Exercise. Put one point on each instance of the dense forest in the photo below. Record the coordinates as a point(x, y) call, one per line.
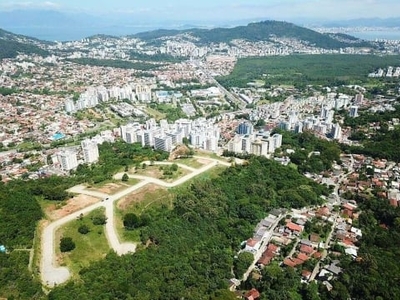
point(190, 250)
point(329, 69)
point(377, 143)
point(10, 49)
point(259, 31)
point(311, 154)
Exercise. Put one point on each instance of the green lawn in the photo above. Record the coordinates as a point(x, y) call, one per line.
point(90, 247)
point(190, 162)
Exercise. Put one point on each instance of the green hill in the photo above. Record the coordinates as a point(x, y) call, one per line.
point(12, 44)
point(261, 31)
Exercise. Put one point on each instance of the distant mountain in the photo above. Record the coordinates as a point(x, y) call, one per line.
point(260, 31)
point(365, 22)
point(12, 44)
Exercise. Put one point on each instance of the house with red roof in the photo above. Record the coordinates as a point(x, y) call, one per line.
point(253, 294)
point(296, 229)
point(306, 249)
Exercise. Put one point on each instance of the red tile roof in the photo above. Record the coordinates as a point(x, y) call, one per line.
point(302, 256)
point(294, 227)
point(251, 242)
point(306, 249)
point(306, 273)
point(252, 294)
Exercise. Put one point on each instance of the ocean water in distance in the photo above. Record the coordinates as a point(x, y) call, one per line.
point(75, 34)
point(376, 34)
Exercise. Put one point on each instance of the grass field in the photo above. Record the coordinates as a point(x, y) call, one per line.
point(90, 247)
point(156, 171)
point(190, 162)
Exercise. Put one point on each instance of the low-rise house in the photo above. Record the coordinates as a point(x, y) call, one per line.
point(252, 245)
point(253, 294)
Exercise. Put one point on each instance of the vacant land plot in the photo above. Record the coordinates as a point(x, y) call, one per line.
point(55, 210)
point(90, 247)
point(112, 187)
point(161, 172)
point(192, 162)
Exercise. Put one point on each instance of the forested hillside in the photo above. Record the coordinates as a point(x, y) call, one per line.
point(259, 31)
point(190, 249)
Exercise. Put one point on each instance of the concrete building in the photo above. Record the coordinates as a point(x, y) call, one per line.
point(245, 128)
point(68, 160)
point(353, 111)
point(90, 151)
point(163, 143)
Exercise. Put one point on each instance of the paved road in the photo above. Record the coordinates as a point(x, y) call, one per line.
point(52, 274)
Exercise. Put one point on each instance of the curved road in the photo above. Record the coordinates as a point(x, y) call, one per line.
point(52, 274)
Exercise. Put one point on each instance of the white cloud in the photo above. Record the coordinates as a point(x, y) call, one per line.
point(30, 5)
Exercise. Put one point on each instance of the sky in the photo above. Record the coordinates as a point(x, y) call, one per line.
point(220, 10)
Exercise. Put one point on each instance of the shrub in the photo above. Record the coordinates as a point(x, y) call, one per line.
point(83, 229)
point(67, 244)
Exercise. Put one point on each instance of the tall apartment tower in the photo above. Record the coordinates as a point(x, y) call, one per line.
point(354, 111)
point(90, 151)
point(68, 160)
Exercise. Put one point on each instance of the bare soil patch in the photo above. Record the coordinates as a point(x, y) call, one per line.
point(110, 188)
point(74, 204)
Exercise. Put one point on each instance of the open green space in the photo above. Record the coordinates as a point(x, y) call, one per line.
point(190, 162)
point(171, 112)
point(168, 173)
point(327, 69)
point(155, 113)
point(90, 247)
point(145, 202)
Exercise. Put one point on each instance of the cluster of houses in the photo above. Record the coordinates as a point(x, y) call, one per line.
point(374, 174)
point(308, 249)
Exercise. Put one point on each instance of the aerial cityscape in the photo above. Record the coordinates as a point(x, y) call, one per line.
point(213, 151)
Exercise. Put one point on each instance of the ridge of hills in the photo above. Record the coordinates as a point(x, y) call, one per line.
point(259, 31)
point(12, 44)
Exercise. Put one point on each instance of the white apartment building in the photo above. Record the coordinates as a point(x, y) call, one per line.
point(163, 143)
point(90, 151)
point(68, 160)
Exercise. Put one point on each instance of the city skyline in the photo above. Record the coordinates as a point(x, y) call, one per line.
point(222, 10)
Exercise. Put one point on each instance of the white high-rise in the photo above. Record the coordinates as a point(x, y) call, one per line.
point(354, 111)
point(68, 160)
point(90, 151)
